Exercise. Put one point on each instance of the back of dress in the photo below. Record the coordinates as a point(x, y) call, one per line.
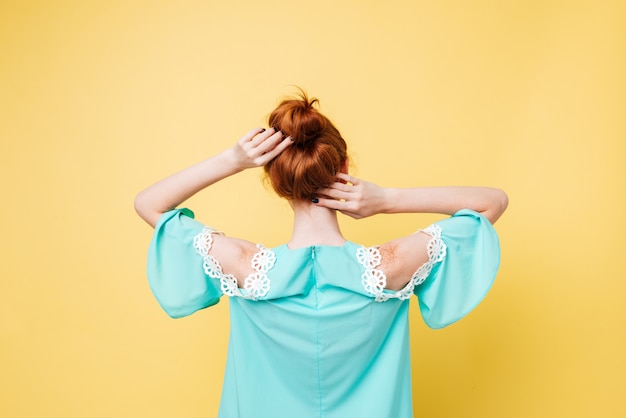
point(314, 333)
point(320, 346)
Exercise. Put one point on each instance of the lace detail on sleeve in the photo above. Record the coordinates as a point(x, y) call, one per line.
point(258, 284)
point(374, 280)
point(255, 286)
point(436, 249)
point(203, 243)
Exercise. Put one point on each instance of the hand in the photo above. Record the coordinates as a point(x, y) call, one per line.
point(258, 147)
point(359, 199)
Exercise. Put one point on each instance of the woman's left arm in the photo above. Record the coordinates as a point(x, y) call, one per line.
point(254, 149)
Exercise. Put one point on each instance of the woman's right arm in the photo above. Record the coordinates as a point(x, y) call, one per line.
point(360, 199)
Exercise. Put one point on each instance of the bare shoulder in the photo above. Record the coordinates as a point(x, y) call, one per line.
point(402, 257)
point(234, 255)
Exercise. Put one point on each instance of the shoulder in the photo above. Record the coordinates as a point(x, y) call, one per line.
point(401, 257)
point(235, 255)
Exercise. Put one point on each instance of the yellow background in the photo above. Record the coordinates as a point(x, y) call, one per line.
point(98, 99)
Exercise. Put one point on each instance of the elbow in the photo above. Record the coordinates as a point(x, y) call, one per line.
point(499, 203)
point(143, 210)
point(504, 203)
point(139, 205)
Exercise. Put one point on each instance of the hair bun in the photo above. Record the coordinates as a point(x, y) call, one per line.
point(316, 156)
point(298, 118)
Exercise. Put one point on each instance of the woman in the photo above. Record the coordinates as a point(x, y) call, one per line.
point(319, 326)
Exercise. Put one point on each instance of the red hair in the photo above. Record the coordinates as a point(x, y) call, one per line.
point(316, 155)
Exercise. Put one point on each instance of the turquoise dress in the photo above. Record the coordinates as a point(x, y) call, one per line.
point(314, 333)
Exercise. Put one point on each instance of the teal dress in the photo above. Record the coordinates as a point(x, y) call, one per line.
point(313, 332)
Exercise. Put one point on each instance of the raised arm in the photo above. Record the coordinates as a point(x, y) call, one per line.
point(360, 199)
point(254, 149)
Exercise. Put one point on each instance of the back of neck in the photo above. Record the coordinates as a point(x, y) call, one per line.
point(314, 225)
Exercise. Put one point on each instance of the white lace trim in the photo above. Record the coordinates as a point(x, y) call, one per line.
point(255, 286)
point(374, 280)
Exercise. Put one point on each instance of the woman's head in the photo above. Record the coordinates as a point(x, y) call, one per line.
point(316, 156)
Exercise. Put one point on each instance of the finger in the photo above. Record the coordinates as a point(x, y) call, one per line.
point(259, 139)
point(250, 135)
point(267, 157)
point(331, 204)
point(347, 177)
point(341, 186)
point(334, 193)
point(286, 142)
point(269, 144)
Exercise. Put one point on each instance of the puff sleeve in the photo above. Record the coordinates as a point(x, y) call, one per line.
point(175, 270)
point(460, 281)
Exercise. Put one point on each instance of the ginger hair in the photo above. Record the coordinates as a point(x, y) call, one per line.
point(316, 155)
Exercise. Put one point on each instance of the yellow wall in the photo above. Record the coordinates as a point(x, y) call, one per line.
point(100, 98)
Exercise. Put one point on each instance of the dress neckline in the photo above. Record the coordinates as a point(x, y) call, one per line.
point(308, 247)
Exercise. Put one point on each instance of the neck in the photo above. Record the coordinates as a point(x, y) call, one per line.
point(314, 225)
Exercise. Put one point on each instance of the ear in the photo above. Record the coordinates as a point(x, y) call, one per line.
point(344, 166)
